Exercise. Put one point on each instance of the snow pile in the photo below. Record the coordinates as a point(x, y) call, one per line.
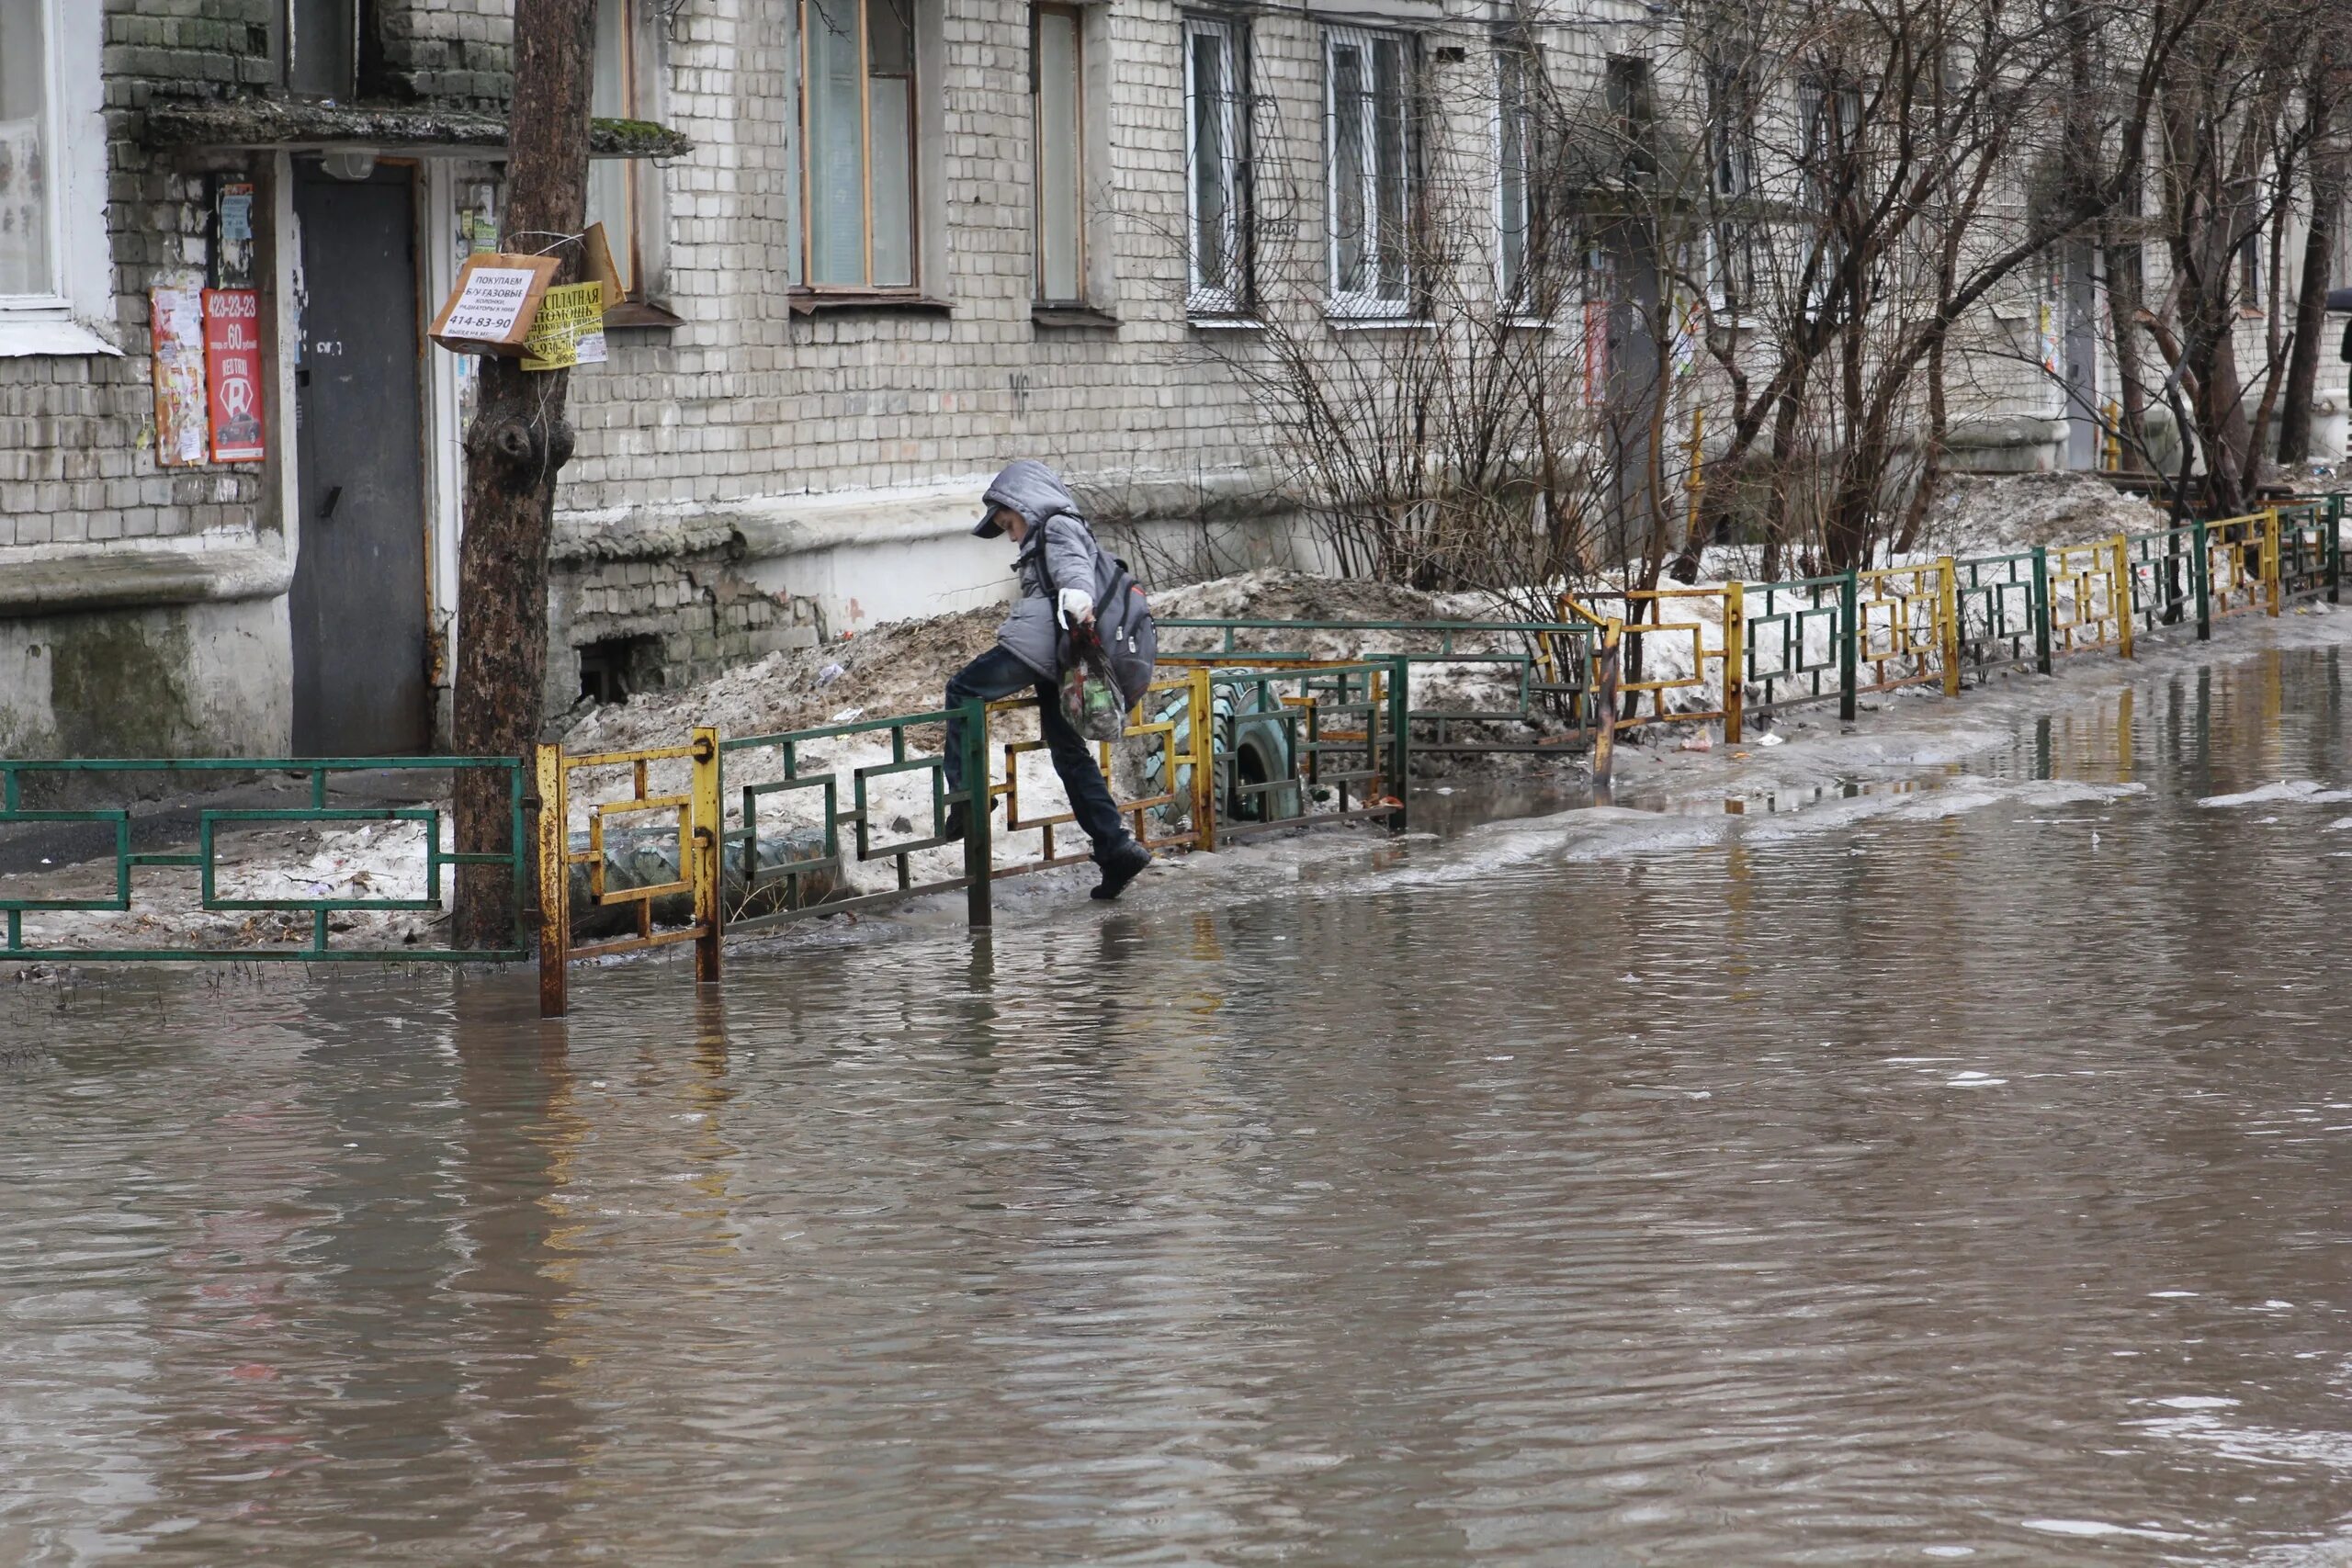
point(379, 862)
point(1979, 516)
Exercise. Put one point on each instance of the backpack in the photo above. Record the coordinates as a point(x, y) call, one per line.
point(1121, 656)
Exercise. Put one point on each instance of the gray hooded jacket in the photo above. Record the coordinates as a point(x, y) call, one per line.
point(1060, 552)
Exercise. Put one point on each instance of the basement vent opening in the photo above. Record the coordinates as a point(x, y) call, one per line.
point(619, 667)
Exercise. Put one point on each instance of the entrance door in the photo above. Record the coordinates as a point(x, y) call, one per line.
point(2083, 433)
point(1633, 376)
point(358, 602)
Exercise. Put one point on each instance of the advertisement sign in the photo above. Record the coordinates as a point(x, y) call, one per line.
point(233, 365)
point(490, 309)
point(569, 329)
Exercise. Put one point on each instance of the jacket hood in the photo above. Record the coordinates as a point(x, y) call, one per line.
point(1029, 488)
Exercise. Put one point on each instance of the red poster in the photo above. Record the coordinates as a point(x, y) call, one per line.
point(233, 366)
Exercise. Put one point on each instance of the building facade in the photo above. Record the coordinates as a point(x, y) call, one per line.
point(870, 249)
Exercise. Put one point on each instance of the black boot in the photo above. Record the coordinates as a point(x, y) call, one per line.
point(1121, 865)
point(957, 819)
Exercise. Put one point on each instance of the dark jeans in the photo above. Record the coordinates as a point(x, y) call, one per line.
point(997, 673)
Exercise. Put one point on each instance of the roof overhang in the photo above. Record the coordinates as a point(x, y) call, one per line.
point(307, 124)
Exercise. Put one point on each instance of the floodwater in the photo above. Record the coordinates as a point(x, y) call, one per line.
point(1952, 1173)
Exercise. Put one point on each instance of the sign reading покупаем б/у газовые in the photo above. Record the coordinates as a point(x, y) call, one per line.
point(493, 304)
point(569, 329)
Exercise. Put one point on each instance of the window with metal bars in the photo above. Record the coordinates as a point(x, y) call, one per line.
point(1371, 149)
point(1217, 166)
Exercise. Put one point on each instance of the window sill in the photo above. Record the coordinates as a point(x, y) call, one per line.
point(1078, 317)
point(49, 337)
point(1343, 323)
point(871, 301)
point(1225, 323)
point(633, 315)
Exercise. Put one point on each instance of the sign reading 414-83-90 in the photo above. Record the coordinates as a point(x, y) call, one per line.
point(232, 375)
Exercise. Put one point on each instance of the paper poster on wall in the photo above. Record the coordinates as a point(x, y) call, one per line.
point(1594, 392)
point(176, 316)
point(569, 329)
point(232, 251)
point(233, 366)
point(492, 308)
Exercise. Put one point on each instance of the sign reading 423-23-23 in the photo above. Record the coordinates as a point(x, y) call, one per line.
point(232, 374)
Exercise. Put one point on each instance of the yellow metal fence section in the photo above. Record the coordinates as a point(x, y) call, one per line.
point(696, 817)
point(2090, 597)
point(1197, 752)
point(2242, 564)
point(1638, 615)
point(1906, 622)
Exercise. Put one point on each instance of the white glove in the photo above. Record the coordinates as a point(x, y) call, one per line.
point(1077, 607)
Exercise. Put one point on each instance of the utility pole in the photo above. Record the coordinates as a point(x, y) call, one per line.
point(517, 444)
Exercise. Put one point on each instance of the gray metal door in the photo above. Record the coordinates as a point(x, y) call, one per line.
point(360, 597)
point(1633, 370)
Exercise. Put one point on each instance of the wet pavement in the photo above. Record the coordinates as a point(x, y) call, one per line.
point(1954, 1169)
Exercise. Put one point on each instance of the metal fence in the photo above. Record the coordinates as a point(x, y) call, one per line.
point(129, 863)
point(1542, 671)
point(1333, 740)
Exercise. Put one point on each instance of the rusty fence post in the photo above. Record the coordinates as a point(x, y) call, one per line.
point(554, 866)
point(1947, 614)
point(2119, 594)
point(709, 861)
point(1200, 704)
point(1734, 659)
point(1609, 673)
point(2270, 558)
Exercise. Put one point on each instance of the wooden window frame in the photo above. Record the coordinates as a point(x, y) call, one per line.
point(841, 292)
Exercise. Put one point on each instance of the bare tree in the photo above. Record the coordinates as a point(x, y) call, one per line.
point(518, 442)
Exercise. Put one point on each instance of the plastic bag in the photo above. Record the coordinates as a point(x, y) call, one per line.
point(1091, 698)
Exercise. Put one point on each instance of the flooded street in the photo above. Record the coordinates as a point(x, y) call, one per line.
point(1947, 1173)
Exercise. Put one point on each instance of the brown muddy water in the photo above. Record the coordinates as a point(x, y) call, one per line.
point(1932, 1175)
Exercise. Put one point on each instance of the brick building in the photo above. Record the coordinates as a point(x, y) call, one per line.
point(871, 249)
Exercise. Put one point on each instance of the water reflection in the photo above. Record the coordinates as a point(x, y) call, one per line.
point(1945, 1181)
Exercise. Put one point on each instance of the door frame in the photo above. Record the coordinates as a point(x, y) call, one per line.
point(290, 292)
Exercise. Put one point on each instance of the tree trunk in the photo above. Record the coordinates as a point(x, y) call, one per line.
point(2311, 301)
point(518, 442)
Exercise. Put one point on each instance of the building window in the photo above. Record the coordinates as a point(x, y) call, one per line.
point(1634, 113)
point(2250, 270)
point(1057, 101)
point(56, 273)
point(1369, 109)
point(857, 127)
point(1732, 273)
point(1732, 125)
point(1216, 164)
point(625, 194)
point(29, 221)
point(1515, 195)
point(322, 48)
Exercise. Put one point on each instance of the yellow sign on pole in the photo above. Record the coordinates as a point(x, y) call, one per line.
point(569, 330)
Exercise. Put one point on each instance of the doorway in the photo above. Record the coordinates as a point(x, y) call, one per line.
point(359, 604)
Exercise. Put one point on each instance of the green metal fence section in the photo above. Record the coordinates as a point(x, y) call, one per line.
point(1348, 731)
point(204, 859)
point(2004, 605)
point(786, 887)
point(1796, 649)
point(2309, 550)
point(1546, 678)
